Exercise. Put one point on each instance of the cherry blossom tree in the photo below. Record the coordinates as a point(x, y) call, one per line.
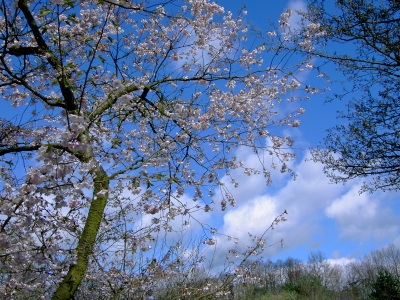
point(113, 114)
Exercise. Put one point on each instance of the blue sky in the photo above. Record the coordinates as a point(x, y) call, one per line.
point(334, 219)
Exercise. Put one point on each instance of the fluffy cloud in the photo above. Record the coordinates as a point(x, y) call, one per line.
point(255, 216)
point(304, 199)
point(312, 203)
point(361, 217)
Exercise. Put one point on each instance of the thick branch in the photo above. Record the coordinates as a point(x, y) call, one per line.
point(17, 149)
point(52, 59)
point(19, 51)
point(110, 101)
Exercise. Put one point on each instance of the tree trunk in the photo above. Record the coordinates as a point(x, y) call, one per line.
point(71, 281)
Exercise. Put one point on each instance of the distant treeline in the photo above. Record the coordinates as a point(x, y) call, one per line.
point(376, 276)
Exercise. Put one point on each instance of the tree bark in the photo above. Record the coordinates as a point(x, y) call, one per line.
point(71, 281)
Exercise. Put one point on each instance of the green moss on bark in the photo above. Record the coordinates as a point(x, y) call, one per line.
point(71, 281)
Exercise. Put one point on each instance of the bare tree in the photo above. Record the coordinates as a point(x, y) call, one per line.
point(368, 143)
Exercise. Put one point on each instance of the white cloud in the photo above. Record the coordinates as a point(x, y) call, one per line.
point(304, 199)
point(351, 204)
point(360, 217)
point(342, 261)
point(310, 201)
point(253, 217)
point(296, 5)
